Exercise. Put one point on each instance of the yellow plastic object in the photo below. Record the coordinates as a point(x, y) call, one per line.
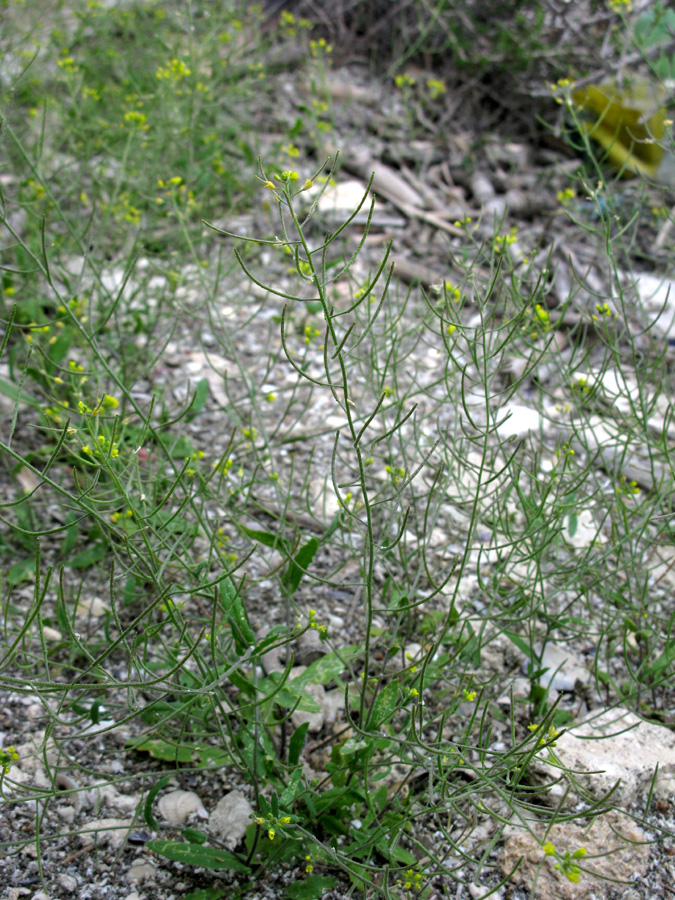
point(628, 122)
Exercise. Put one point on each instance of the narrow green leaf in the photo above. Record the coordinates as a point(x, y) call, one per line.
point(195, 836)
point(70, 539)
point(199, 398)
point(290, 792)
point(150, 799)
point(321, 671)
point(657, 668)
point(22, 571)
point(59, 349)
point(206, 894)
point(197, 855)
point(244, 635)
point(520, 643)
point(288, 698)
point(266, 538)
point(12, 391)
point(311, 888)
point(300, 564)
point(243, 684)
point(160, 749)
point(296, 743)
point(385, 705)
point(88, 557)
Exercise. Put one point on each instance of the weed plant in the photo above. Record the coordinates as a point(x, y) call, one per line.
point(380, 472)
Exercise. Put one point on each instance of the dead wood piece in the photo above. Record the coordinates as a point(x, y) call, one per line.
point(386, 182)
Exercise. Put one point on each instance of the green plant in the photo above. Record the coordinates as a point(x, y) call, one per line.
point(337, 464)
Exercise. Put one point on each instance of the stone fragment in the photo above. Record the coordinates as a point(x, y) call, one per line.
point(67, 882)
point(177, 806)
point(140, 870)
point(615, 849)
point(618, 746)
point(231, 817)
point(106, 831)
point(310, 647)
point(315, 719)
point(581, 530)
point(92, 606)
point(564, 670)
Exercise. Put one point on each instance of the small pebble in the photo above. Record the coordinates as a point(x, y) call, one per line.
point(141, 871)
point(67, 882)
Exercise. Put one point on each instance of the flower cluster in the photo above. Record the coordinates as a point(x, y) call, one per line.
point(404, 80)
point(561, 86)
point(175, 189)
point(397, 473)
point(103, 448)
point(173, 72)
point(627, 487)
point(123, 210)
point(321, 629)
point(603, 311)
point(548, 739)
point(224, 468)
point(540, 321)
point(104, 403)
point(565, 197)
point(567, 865)
point(311, 333)
point(8, 757)
point(451, 292)
point(289, 24)
point(119, 516)
point(413, 881)
point(435, 87)
point(136, 120)
point(67, 64)
point(272, 823)
point(505, 240)
point(320, 48)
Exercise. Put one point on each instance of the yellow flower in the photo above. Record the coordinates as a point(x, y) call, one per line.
point(7, 757)
point(67, 63)
point(404, 80)
point(109, 402)
point(137, 119)
point(173, 72)
point(436, 88)
point(565, 196)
